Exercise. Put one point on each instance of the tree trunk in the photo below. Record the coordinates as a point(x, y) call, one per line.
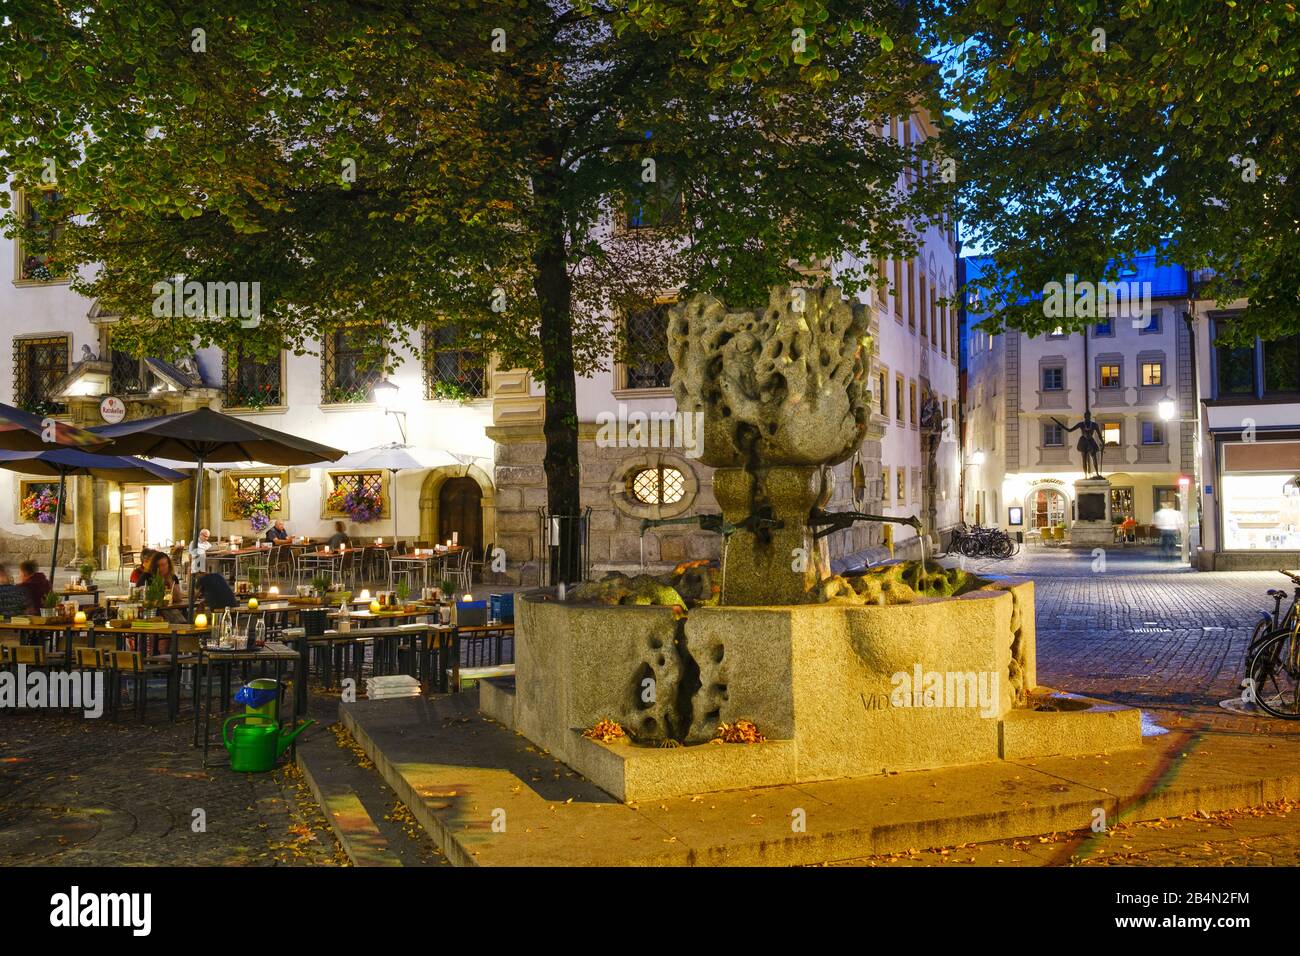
point(554, 291)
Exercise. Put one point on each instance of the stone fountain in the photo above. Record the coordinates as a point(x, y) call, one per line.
point(904, 667)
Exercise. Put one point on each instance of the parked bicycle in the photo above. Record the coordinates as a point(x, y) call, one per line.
point(1273, 656)
point(980, 542)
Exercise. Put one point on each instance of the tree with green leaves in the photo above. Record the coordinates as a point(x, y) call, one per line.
point(525, 170)
point(1094, 130)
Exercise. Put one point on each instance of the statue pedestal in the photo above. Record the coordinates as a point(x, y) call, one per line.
point(1092, 526)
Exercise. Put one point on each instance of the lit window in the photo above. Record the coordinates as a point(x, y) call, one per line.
point(1110, 433)
point(1152, 373)
point(658, 486)
point(1109, 375)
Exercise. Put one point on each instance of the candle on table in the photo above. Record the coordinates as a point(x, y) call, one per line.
point(273, 590)
point(200, 620)
point(455, 537)
point(364, 595)
point(79, 618)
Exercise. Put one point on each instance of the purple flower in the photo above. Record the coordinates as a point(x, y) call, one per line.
point(260, 522)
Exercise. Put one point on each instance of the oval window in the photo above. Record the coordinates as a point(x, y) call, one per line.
point(657, 486)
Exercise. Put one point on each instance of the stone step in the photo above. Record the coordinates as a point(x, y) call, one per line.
point(361, 809)
point(489, 797)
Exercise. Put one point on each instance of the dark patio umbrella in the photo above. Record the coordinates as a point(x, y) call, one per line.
point(62, 462)
point(22, 431)
point(203, 437)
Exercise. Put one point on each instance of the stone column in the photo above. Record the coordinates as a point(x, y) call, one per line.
point(770, 566)
point(82, 490)
point(183, 510)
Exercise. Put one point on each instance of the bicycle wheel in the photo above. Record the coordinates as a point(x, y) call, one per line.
point(1275, 672)
point(970, 547)
point(1003, 547)
point(1263, 630)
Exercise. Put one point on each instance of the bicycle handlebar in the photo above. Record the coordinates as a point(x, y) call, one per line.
point(1290, 574)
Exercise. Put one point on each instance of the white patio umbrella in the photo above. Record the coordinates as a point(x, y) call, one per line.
point(395, 457)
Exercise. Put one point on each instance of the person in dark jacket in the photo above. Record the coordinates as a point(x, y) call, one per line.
point(276, 533)
point(215, 591)
point(35, 583)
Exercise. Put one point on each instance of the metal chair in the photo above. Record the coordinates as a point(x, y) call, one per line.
point(126, 556)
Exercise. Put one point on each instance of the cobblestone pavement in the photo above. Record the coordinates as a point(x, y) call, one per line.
point(77, 792)
point(1143, 631)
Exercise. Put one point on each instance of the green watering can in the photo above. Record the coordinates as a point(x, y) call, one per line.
point(256, 746)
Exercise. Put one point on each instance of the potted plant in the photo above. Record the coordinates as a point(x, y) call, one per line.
point(403, 592)
point(321, 585)
point(155, 594)
point(254, 578)
point(87, 572)
point(50, 606)
point(448, 588)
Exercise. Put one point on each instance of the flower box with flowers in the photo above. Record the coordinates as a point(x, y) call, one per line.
point(40, 506)
point(257, 510)
point(359, 504)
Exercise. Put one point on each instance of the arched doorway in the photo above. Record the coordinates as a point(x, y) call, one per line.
point(460, 511)
point(1047, 508)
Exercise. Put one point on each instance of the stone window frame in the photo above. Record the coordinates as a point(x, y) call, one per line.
point(21, 375)
point(1117, 421)
point(1157, 428)
point(900, 395)
point(1142, 367)
point(913, 406)
point(230, 482)
point(882, 400)
point(900, 487)
point(1097, 333)
point(330, 480)
point(887, 478)
point(21, 204)
point(1155, 324)
point(916, 485)
point(621, 388)
point(230, 363)
point(1149, 394)
point(1054, 397)
point(26, 486)
point(897, 289)
point(620, 484)
point(1043, 435)
point(923, 285)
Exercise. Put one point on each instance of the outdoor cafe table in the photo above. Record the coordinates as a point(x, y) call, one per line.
point(234, 557)
point(174, 632)
point(379, 626)
point(423, 561)
point(272, 652)
point(49, 635)
point(70, 593)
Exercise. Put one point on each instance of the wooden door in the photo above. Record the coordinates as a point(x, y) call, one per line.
point(460, 510)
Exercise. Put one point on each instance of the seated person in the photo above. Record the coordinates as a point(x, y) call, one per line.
point(339, 539)
point(215, 591)
point(199, 552)
point(142, 568)
point(277, 533)
point(13, 599)
point(35, 583)
point(160, 565)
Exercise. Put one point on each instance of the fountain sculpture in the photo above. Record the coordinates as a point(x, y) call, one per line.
point(907, 666)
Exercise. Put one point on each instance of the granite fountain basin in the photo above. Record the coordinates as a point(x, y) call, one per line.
point(837, 690)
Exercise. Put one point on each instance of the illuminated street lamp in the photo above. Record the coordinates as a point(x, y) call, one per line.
point(1167, 410)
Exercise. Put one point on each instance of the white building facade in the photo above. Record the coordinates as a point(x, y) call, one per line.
point(1132, 372)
